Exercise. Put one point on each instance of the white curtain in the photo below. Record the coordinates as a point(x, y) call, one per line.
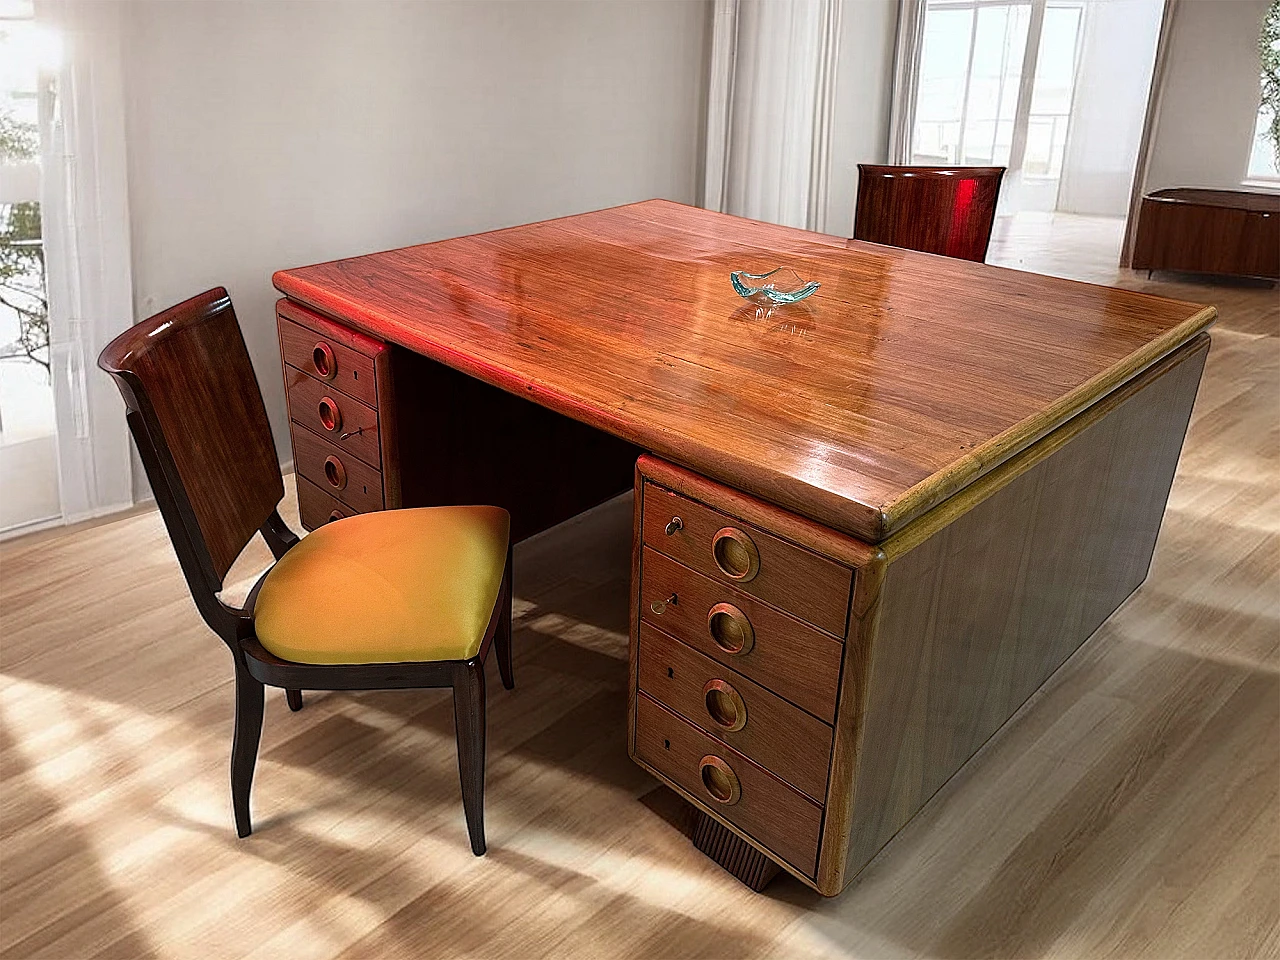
point(769, 117)
point(906, 75)
point(85, 219)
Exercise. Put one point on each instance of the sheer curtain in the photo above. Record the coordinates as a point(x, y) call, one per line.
point(84, 205)
point(769, 116)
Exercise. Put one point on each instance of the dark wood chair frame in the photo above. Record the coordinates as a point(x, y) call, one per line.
point(254, 665)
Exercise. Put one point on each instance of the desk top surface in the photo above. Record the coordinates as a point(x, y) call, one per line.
point(903, 379)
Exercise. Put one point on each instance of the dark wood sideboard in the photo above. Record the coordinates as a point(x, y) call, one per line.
point(1233, 232)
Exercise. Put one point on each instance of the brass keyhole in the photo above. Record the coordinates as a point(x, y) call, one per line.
point(660, 606)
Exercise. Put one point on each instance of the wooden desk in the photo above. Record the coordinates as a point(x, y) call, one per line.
point(868, 526)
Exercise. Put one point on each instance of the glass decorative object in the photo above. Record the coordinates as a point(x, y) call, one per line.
point(749, 287)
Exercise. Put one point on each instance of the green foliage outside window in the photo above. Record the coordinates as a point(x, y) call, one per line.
point(22, 266)
point(1269, 48)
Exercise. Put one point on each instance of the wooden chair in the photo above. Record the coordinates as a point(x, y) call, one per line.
point(397, 599)
point(943, 210)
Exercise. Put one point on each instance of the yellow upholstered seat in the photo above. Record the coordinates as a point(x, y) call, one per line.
point(389, 587)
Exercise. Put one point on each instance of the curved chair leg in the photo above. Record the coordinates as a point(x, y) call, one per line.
point(295, 699)
point(502, 638)
point(468, 716)
point(244, 748)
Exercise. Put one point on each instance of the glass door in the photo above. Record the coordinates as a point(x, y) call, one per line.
point(995, 86)
point(28, 444)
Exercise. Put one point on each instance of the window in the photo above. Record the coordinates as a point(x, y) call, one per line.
point(28, 452)
point(1262, 158)
point(971, 106)
point(1264, 154)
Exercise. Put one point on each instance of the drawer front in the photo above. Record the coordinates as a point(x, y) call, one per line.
point(790, 577)
point(743, 793)
point(328, 361)
point(337, 472)
point(794, 660)
point(331, 414)
point(782, 738)
point(316, 508)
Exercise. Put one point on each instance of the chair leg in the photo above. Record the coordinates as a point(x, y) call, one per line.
point(468, 716)
point(502, 638)
point(244, 748)
point(295, 699)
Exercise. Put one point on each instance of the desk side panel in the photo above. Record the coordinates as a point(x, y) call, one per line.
point(978, 613)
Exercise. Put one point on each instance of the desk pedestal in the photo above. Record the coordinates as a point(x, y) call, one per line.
point(951, 625)
point(805, 691)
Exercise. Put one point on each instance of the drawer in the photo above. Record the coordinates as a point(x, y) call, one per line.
point(796, 661)
point(316, 508)
point(336, 472)
point(331, 414)
point(738, 790)
point(782, 738)
point(726, 549)
point(328, 360)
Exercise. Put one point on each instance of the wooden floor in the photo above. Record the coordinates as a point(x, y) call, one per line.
point(1131, 809)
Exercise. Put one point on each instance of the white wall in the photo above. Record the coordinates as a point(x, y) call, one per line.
point(272, 134)
point(1209, 101)
point(1110, 105)
point(864, 91)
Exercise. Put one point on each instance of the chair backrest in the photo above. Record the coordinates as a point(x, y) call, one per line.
point(944, 210)
point(197, 417)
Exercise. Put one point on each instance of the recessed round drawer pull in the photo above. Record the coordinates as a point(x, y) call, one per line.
point(336, 515)
point(330, 415)
point(735, 554)
point(724, 705)
point(335, 472)
point(730, 629)
point(720, 780)
point(323, 360)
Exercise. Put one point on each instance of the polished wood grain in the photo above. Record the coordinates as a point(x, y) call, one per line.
point(782, 738)
point(778, 817)
point(357, 380)
point(943, 210)
point(1130, 809)
point(655, 484)
point(960, 617)
point(194, 399)
point(353, 481)
point(972, 621)
point(331, 414)
point(786, 575)
point(1209, 231)
point(316, 508)
point(350, 371)
point(864, 406)
point(193, 351)
point(796, 661)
